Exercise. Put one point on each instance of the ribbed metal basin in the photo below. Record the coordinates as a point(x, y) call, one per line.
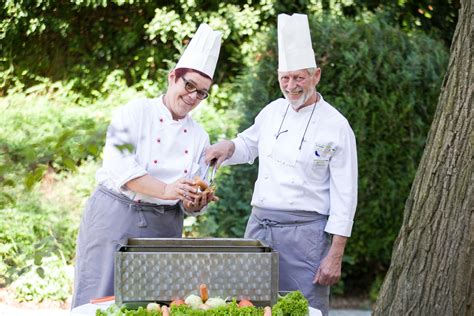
point(163, 269)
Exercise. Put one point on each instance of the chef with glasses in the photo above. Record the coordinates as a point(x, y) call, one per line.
point(152, 153)
point(305, 195)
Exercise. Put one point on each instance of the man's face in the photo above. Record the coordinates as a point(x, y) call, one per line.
point(179, 100)
point(299, 87)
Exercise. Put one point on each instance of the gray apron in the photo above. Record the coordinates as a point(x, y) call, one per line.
point(109, 219)
point(300, 240)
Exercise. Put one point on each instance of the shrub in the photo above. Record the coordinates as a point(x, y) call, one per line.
point(47, 131)
point(53, 282)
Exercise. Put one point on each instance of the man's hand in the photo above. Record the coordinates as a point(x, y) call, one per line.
point(220, 151)
point(329, 271)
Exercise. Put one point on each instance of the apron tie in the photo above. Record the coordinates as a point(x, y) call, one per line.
point(140, 207)
point(266, 226)
point(157, 209)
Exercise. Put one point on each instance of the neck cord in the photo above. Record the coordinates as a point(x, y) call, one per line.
point(281, 124)
point(307, 124)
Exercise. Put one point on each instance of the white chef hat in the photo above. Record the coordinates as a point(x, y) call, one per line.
point(295, 50)
point(202, 51)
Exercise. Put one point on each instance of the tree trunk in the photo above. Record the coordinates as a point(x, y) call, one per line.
point(432, 264)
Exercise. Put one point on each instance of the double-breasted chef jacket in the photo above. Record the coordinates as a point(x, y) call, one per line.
point(312, 171)
point(143, 138)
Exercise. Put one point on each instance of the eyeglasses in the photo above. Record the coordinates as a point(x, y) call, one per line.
point(201, 94)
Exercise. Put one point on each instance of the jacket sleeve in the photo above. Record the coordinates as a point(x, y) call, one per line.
point(246, 143)
point(120, 160)
point(343, 184)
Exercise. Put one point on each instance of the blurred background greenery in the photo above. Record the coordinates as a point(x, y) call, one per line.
point(65, 65)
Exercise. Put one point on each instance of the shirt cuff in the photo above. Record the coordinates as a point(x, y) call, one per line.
point(237, 157)
point(339, 226)
point(121, 180)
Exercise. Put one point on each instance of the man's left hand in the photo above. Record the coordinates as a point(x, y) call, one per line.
point(329, 271)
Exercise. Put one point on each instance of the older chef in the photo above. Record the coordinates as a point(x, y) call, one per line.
point(153, 150)
point(306, 191)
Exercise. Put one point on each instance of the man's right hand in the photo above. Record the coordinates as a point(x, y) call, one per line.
point(220, 151)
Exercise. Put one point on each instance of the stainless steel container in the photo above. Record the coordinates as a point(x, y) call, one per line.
point(163, 269)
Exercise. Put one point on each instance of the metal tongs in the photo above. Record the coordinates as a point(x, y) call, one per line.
point(213, 173)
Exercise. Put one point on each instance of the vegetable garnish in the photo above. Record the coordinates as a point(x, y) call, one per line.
point(292, 304)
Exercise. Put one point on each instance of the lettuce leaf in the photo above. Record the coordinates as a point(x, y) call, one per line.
point(293, 303)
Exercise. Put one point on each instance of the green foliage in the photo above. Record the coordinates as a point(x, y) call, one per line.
point(38, 235)
point(57, 39)
point(375, 288)
point(41, 234)
point(228, 217)
point(437, 17)
point(231, 308)
point(293, 303)
point(50, 278)
point(219, 123)
point(46, 132)
point(183, 310)
point(49, 128)
point(90, 39)
point(114, 310)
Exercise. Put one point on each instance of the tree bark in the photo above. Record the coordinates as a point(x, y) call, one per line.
point(432, 263)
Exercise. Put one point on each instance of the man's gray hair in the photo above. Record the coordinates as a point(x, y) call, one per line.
point(311, 71)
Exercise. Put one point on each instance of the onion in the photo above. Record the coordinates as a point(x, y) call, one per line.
point(153, 307)
point(215, 302)
point(204, 307)
point(193, 300)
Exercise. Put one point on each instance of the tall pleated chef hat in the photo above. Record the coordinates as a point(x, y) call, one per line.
point(295, 50)
point(202, 51)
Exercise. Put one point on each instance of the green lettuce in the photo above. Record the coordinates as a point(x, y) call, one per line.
point(292, 304)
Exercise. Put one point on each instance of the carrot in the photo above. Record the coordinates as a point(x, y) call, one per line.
point(204, 292)
point(177, 302)
point(102, 299)
point(245, 303)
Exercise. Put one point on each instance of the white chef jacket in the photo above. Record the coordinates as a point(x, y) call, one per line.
point(144, 139)
point(320, 177)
